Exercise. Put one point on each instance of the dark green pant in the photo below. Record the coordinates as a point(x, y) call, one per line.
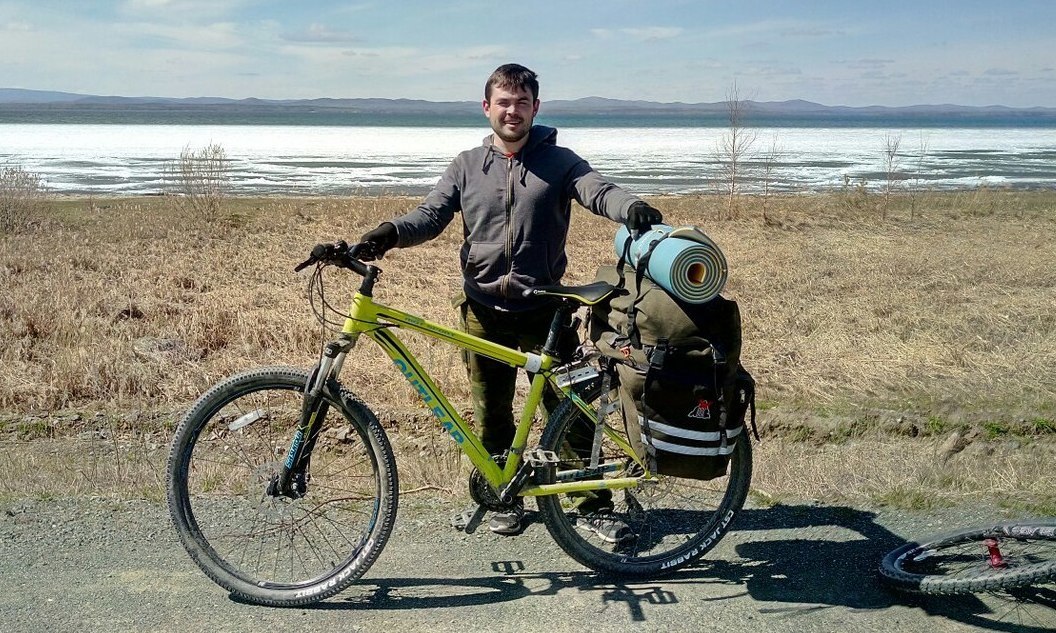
point(492, 383)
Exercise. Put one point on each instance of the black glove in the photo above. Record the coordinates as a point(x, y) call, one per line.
point(642, 217)
point(374, 243)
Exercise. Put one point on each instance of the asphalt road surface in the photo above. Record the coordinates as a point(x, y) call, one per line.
point(102, 565)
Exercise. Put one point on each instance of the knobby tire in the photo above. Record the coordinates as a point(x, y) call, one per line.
point(277, 550)
point(674, 522)
point(959, 562)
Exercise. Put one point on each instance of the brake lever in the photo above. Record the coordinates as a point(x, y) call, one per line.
point(320, 252)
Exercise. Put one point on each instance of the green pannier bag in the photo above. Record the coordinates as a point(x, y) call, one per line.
point(683, 392)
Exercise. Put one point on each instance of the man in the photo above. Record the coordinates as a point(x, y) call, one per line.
point(515, 193)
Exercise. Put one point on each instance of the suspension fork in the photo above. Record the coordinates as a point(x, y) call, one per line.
point(291, 481)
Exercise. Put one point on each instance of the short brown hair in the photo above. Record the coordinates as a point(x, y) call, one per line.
point(512, 76)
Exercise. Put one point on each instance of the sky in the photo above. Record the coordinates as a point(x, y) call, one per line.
point(837, 53)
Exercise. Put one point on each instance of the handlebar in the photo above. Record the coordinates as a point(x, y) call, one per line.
point(341, 255)
point(338, 254)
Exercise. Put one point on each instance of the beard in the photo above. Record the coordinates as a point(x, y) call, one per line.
point(514, 134)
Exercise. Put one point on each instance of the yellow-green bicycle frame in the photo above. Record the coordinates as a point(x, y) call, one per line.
point(378, 322)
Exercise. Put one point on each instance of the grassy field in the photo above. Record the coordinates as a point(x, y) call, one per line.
point(885, 329)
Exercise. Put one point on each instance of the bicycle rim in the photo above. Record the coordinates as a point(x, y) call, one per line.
point(1005, 556)
point(276, 549)
point(672, 522)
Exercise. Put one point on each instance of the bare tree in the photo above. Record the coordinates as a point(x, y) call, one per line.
point(918, 170)
point(733, 149)
point(891, 167)
point(769, 159)
point(198, 179)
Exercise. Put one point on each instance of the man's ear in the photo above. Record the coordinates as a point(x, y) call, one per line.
point(487, 107)
point(535, 108)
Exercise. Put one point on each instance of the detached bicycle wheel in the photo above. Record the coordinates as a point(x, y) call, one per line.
point(650, 530)
point(268, 548)
point(1003, 556)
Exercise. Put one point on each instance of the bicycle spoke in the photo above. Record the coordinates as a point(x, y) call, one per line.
point(272, 543)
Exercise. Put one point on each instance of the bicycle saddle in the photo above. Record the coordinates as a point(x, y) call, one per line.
point(589, 294)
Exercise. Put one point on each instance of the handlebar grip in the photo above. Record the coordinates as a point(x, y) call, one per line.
point(338, 254)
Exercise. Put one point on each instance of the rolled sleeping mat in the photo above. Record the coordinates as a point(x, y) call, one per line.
point(685, 262)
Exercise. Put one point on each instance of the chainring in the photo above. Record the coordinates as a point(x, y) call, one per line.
point(482, 493)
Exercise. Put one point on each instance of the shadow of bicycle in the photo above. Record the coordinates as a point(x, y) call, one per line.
point(792, 560)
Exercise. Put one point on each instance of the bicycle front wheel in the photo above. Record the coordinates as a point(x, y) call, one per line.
point(671, 522)
point(269, 548)
point(1003, 556)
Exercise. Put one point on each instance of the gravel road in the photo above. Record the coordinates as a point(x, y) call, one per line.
point(104, 565)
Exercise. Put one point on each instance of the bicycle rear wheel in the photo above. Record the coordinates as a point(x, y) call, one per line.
point(1003, 556)
point(267, 548)
point(672, 522)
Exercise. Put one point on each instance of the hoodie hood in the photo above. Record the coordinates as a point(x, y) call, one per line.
point(538, 136)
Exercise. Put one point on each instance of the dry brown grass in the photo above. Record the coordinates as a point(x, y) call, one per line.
point(917, 325)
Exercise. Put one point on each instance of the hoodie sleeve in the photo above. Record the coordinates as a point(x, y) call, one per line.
point(602, 197)
point(434, 213)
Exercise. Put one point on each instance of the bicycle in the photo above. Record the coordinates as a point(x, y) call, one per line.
point(1002, 556)
point(280, 510)
point(1011, 561)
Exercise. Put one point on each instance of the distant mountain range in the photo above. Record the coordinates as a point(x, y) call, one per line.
point(22, 100)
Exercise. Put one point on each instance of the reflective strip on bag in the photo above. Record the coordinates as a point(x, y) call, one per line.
point(674, 431)
point(701, 451)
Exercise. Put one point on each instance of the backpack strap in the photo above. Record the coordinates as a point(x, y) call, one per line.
point(621, 265)
point(633, 334)
point(751, 405)
point(656, 363)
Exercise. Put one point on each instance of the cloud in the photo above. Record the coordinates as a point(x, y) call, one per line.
point(1000, 72)
point(641, 34)
point(219, 35)
point(651, 33)
point(780, 28)
point(184, 9)
point(319, 33)
point(809, 32)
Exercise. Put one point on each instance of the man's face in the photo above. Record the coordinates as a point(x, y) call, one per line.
point(511, 112)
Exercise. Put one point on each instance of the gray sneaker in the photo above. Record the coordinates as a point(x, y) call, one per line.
point(508, 523)
point(606, 526)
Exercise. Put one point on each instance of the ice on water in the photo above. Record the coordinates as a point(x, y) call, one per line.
point(336, 160)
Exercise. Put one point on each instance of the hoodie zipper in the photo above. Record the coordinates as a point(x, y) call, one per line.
point(505, 286)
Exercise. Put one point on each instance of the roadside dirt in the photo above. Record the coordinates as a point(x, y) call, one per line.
point(88, 564)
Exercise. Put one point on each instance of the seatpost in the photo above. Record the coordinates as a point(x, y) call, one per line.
point(557, 326)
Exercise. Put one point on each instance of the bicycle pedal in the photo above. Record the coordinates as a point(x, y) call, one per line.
point(467, 521)
point(540, 457)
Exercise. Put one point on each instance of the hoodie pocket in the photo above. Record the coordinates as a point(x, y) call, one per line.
point(533, 265)
point(485, 262)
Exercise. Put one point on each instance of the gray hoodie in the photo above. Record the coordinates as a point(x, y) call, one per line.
point(515, 215)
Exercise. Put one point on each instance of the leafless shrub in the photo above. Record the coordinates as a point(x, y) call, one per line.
point(892, 165)
point(198, 181)
point(22, 196)
point(769, 159)
point(733, 149)
point(918, 170)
